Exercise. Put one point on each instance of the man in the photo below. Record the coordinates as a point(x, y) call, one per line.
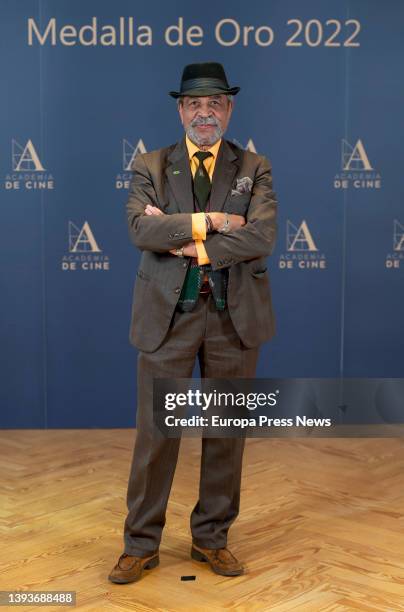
point(203, 213)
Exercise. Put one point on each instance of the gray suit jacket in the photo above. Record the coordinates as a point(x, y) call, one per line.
point(163, 178)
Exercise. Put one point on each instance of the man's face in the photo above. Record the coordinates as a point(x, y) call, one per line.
point(205, 118)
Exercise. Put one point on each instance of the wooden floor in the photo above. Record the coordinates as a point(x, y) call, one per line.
point(321, 524)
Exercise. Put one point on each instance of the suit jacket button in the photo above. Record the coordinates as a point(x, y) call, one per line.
point(177, 290)
point(184, 265)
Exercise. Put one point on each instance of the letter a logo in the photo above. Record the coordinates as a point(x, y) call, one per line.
point(130, 152)
point(398, 236)
point(25, 159)
point(354, 158)
point(299, 238)
point(82, 240)
point(250, 146)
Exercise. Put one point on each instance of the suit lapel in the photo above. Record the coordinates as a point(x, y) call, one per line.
point(179, 176)
point(226, 167)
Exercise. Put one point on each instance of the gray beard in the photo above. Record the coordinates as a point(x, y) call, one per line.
point(204, 140)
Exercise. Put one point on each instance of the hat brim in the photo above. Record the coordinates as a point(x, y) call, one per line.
point(204, 91)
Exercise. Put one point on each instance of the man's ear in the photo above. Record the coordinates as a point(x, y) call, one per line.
point(180, 111)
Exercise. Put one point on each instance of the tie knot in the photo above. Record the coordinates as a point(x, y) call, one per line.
point(202, 155)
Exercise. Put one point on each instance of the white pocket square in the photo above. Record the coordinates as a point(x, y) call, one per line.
point(243, 185)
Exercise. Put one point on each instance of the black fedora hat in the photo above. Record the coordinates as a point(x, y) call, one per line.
point(204, 79)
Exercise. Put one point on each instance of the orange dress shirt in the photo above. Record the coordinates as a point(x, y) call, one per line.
point(198, 219)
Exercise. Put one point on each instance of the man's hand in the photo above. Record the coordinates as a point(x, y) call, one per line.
point(189, 250)
point(153, 210)
point(218, 219)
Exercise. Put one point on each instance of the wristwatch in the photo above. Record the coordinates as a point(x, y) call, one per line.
point(209, 224)
point(225, 229)
point(179, 252)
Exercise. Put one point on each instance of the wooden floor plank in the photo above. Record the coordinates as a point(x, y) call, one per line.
point(321, 525)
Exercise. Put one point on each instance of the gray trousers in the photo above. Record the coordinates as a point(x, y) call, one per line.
point(208, 334)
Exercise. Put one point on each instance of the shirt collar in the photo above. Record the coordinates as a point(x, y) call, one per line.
point(193, 148)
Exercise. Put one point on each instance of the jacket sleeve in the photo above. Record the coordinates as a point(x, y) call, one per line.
point(257, 237)
point(158, 233)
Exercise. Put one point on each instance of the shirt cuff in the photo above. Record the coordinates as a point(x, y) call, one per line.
point(203, 257)
point(198, 226)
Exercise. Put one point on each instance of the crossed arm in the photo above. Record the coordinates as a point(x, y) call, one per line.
point(151, 229)
point(218, 218)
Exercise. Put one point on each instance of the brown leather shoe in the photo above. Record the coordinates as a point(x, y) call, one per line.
point(130, 568)
point(220, 560)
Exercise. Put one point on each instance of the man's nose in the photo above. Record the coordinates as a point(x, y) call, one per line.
point(204, 114)
point(205, 111)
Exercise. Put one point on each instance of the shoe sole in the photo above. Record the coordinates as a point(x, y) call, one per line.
point(198, 556)
point(154, 562)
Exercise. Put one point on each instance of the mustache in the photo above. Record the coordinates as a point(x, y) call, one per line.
point(205, 121)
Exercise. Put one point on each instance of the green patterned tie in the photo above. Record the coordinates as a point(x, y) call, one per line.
point(195, 274)
point(202, 182)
